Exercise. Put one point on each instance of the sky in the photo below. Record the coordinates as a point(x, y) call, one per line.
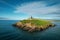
point(22, 9)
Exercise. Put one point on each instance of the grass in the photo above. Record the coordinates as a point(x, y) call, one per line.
point(36, 22)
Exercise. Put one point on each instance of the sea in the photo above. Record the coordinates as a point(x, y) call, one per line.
point(9, 32)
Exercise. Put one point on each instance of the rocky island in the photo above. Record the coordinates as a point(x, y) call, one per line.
point(33, 24)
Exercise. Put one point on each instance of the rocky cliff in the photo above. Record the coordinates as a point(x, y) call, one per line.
point(33, 24)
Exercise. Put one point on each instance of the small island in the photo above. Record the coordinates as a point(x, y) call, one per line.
point(33, 24)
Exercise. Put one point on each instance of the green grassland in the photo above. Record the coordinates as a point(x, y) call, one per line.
point(36, 22)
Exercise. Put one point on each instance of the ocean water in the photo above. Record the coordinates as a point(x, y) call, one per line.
point(8, 32)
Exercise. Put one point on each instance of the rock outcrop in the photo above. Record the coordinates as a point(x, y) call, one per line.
point(31, 26)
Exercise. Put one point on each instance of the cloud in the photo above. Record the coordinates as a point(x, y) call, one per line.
point(36, 8)
point(39, 9)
